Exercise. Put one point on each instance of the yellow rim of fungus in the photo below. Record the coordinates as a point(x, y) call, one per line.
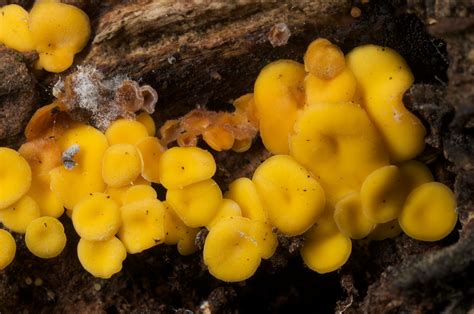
point(15, 177)
point(125, 131)
point(18, 216)
point(45, 237)
point(121, 165)
point(7, 248)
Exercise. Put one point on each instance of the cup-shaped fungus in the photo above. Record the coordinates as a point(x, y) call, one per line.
point(150, 150)
point(383, 194)
point(244, 192)
point(96, 217)
point(15, 178)
point(125, 131)
point(323, 59)
point(138, 193)
point(142, 225)
point(227, 208)
point(7, 248)
point(196, 204)
point(18, 216)
point(386, 230)
point(176, 232)
point(291, 196)
point(382, 83)
point(14, 32)
point(429, 213)
point(414, 174)
point(118, 194)
point(121, 165)
point(341, 88)
point(278, 95)
point(350, 218)
point(182, 166)
point(60, 31)
point(145, 119)
point(101, 258)
point(45, 237)
point(339, 145)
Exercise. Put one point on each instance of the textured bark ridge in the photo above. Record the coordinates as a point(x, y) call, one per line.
point(206, 53)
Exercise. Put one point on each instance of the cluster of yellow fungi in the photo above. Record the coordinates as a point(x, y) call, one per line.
point(343, 166)
point(56, 31)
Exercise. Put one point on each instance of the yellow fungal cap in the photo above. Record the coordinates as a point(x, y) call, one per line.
point(182, 166)
point(218, 138)
point(15, 177)
point(244, 193)
point(267, 240)
point(60, 31)
point(382, 83)
point(187, 244)
point(414, 174)
point(14, 32)
point(278, 95)
point(429, 213)
point(96, 217)
point(350, 218)
point(101, 258)
point(382, 194)
point(142, 225)
point(176, 232)
point(18, 216)
point(150, 150)
point(292, 198)
point(230, 253)
point(138, 193)
point(227, 208)
point(323, 59)
point(338, 89)
point(196, 204)
point(121, 165)
point(125, 131)
point(7, 249)
point(45, 237)
point(145, 119)
point(386, 230)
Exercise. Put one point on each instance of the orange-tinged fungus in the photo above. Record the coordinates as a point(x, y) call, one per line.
point(7, 248)
point(218, 138)
point(18, 216)
point(341, 88)
point(49, 120)
point(324, 60)
point(150, 150)
point(14, 32)
point(125, 131)
point(121, 165)
point(45, 237)
point(15, 177)
point(244, 193)
point(350, 218)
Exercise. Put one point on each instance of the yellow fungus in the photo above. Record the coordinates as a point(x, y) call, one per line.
point(323, 59)
point(278, 95)
point(7, 248)
point(382, 194)
point(338, 89)
point(142, 225)
point(145, 119)
point(382, 83)
point(241, 146)
point(118, 194)
point(18, 216)
point(292, 198)
point(150, 150)
point(244, 192)
point(182, 166)
point(267, 240)
point(176, 232)
point(339, 145)
point(414, 174)
point(45, 237)
point(15, 177)
point(196, 204)
point(429, 213)
point(187, 244)
point(218, 138)
point(125, 131)
point(138, 193)
point(96, 217)
point(121, 165)
point(14, 32)
point(101, 258)
point(60, 31)
point(350, 218)
point(227, 208)
point(386, 230)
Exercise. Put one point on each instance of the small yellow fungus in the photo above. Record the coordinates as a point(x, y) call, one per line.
point(49, 120)
point(324, 60)
point(386, 230)
point(121, 165)
point(15, 177)
point(338, 89)
point(244, 193)
point(125, 131)
point(96, 217)
point(218, 138)
point(196, 204)
point(18, 216)
point(339, 145)
point(187, 244)
point(45, 237)
point(278, 95)
point(267, 240)
point(429, 213)
point(241, 146)
point(60, 31)
point(414, 174)
point(7, 248)
point(145, 119)
point(118, 194)
point(150, 150)
point(138, 193)
point(350, 218)
point(230, 253)
point(101, 258)
point(227, 208)
point(291, 196)
point(142, 225)
point(382, 83)
point(382, 194)
point(176, 232)
point(182, 166)
point(14, 32)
